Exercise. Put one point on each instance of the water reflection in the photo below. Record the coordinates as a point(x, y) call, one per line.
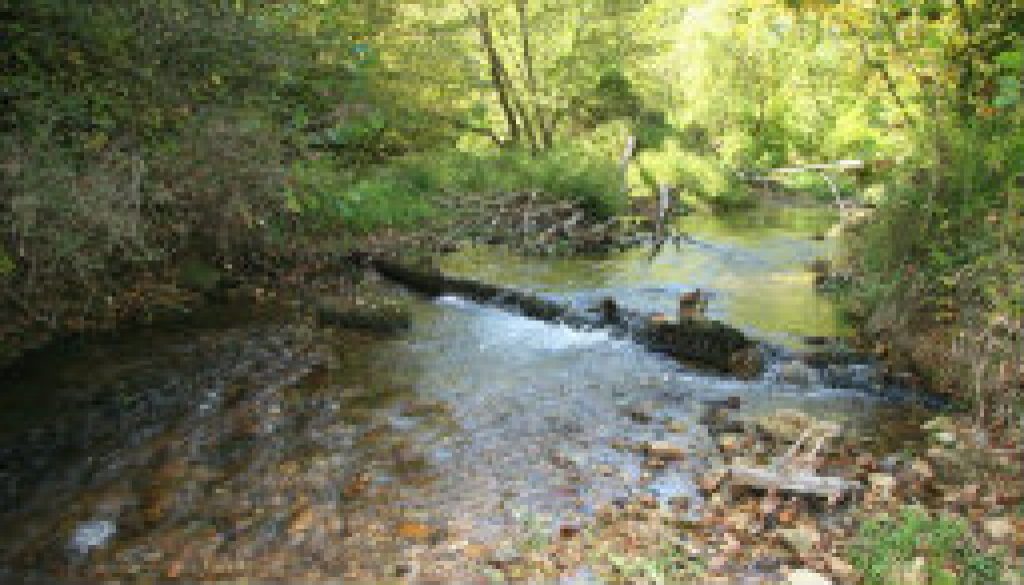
point(754, 264)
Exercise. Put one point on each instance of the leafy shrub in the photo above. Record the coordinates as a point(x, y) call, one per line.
point(570, 173)
point(701, 179)
point(329, 197)
point(885, 545)
point(708, 179)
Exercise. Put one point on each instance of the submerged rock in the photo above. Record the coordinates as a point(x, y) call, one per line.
point(785, 424)
point(415, 531)
point(379, 314)
point(704, 342)
point(796, 373)
point(712, 480)
point(642, 412)
point(664, 450)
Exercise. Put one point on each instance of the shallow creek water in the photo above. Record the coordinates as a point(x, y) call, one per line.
point(256, 446)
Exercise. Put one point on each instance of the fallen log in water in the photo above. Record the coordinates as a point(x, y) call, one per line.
point(434, 283)
point(695, 341)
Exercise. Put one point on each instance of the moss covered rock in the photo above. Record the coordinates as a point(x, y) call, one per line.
point(374, 313)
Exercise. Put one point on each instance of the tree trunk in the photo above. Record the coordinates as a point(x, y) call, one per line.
point(528, 129)
point(627, 154)
point(498, 77)
point(542, 128)
point(965, 86)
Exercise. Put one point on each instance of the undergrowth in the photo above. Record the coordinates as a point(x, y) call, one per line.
point(887, 549)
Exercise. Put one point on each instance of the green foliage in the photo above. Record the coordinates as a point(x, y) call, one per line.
point(938, 219)
point(703, 180)
point(402, 193)
point(664, 567)
point(567, 173)
point(885, 546)
point(198, 275)
point(134, 134)
point(7, 265)
point(328, 198)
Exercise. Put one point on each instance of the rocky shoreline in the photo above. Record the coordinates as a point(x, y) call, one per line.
point(768, 535)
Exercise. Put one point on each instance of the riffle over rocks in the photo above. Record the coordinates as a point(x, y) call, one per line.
point(692, 340)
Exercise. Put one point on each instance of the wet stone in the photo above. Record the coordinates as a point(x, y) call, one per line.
point(800, 539)
point(675, 426)
point(712, 480)
point(664, 451)
point(416, 531)
point(641, 413)
point(382, 315)
point(91, 534)
point(570, 530)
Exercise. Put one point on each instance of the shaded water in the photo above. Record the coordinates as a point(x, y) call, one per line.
point(263, 447)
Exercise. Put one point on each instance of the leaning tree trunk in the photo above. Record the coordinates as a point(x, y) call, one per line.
point(542, 129)
point(498, 77)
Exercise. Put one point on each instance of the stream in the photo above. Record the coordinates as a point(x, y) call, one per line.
point(250, 444)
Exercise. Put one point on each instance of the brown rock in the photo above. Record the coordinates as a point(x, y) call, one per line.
point(659, 318)
point(414, 531)
point(801, 539)
point(731, 443)
point(998, 528)
point(882, 484)
point(866, 461)
point(680, 503)
point(301, 520)
point(157, 502)
point(571, 530)
point(712, 480)
point(675, 426)
point(647, 500)
point(785, 423)
point(909, 573)
point(841, 570)
point(664, 450)
point(787, 516)
point(746, 363)
point(739, 521)
point(475, 551)
point(655, 463)
point(357, 485)
point(174, 569)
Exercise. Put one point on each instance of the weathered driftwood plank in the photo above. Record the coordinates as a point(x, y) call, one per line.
point(802, 482)
point(794, 471)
